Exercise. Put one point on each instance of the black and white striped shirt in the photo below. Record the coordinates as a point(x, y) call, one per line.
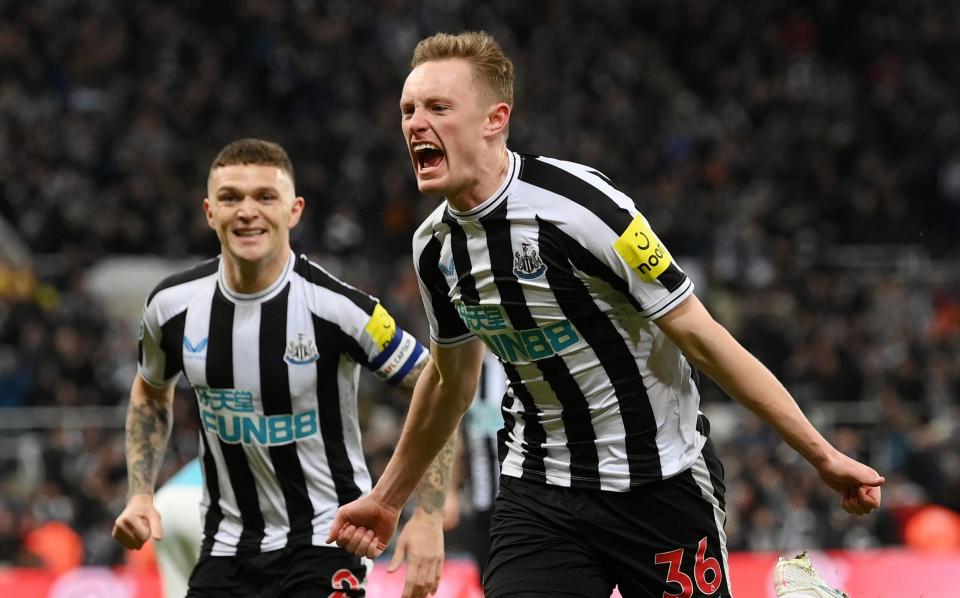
point(275, 375)
point(561, 276)
point(482, 425)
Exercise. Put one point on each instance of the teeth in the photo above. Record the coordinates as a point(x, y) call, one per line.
point(248, 233)
point(417, 147)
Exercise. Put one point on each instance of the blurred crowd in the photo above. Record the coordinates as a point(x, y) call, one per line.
point(804, 157)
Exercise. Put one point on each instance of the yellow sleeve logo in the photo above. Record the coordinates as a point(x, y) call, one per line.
point(640, 248)
point(381, 326)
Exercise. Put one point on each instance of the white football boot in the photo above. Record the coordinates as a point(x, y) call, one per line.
point(796, 578)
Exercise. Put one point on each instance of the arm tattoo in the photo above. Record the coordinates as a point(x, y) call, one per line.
point(432, 490)
point(410, 380)
point(148, 429)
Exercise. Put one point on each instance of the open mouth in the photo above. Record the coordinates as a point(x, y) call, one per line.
point(249, 232)
point(427, 155)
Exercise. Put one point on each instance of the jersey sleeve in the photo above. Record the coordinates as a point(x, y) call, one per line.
point(154, 365)
point(446, 327)
point(653, 276)
point(609, 225)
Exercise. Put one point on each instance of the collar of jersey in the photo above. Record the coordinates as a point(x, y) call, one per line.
point(267, 293)
point(491, 203)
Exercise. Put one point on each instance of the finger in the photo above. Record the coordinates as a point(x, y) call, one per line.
point(398, 555)
point(365, 541)
point(349, 538)
point(126, 535)
point(869, 497)
point(413, 584)
point(376, 547)
point(339, 520)
point(434, 579)
point(156, 529)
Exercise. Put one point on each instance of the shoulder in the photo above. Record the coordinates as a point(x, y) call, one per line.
point(574, 193)
point(201, 271)
point(428, 229)
point(318, 278)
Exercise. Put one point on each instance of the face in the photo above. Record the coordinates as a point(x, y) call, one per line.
point(252, 208)
point(448, 126)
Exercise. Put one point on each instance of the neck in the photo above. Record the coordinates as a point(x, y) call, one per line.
point(247, 278)
point(489, 178)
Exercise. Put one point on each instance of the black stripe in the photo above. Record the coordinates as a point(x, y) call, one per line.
point(462, 262)
point(603, 177)
point(514, 304)
point(214, 516)
point(220, 375)
point(171, 343)
point(201, 270)
point(449, 324)
point(618, 361)
point(557, 180)
point(330, 346)
point(314, 275)
point(672, 277)
point(533, 433)
point(275, 394)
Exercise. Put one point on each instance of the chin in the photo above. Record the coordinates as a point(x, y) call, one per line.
point(432, 187)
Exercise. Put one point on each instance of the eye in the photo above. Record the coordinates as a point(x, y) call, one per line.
point(229, 198)
point(268, 197)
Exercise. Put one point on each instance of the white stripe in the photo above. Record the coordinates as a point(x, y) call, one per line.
point(701, 474)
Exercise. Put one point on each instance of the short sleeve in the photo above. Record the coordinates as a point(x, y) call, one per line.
point(155, 366)
point(446, 327)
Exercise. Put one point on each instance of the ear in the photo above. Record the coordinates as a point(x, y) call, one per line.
point(296, 211)
point(208, 212)
point(498, 118)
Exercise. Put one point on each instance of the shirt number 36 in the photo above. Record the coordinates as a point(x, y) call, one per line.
point(706, 572)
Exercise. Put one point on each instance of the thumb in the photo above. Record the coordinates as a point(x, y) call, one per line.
point(156, 530)
point(398, 555)
point(876, 480)
point(338, 522)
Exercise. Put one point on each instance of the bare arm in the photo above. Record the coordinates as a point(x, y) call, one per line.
point(715, 352)
point(442, 395)
point(432, 490)
point(149, 419)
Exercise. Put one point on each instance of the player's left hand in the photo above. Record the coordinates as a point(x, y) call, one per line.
point(858, 484)
point(421, 544)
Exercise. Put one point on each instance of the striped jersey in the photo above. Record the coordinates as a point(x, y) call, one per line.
point(275, 375)
point(562, 277)
point(482, 424)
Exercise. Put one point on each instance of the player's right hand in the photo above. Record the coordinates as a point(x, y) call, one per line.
point(139, 522)
point(364, 527)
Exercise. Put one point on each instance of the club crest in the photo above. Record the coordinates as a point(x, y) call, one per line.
point(527, 263)
point(301, 351)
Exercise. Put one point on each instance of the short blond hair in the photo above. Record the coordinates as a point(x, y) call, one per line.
point(491, 67)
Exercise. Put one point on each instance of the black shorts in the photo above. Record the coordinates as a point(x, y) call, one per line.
point(660, 539)
point(292, 572)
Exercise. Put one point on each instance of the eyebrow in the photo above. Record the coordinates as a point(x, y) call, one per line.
point(226, 189)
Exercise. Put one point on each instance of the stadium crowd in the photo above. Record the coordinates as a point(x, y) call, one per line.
point(803, 158)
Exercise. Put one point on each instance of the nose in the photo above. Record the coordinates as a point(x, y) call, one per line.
point(417, 123)
point(247, 208)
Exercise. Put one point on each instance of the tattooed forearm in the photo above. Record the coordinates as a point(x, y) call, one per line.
point(432, 490)
point(410, 380)
point(148, 429)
